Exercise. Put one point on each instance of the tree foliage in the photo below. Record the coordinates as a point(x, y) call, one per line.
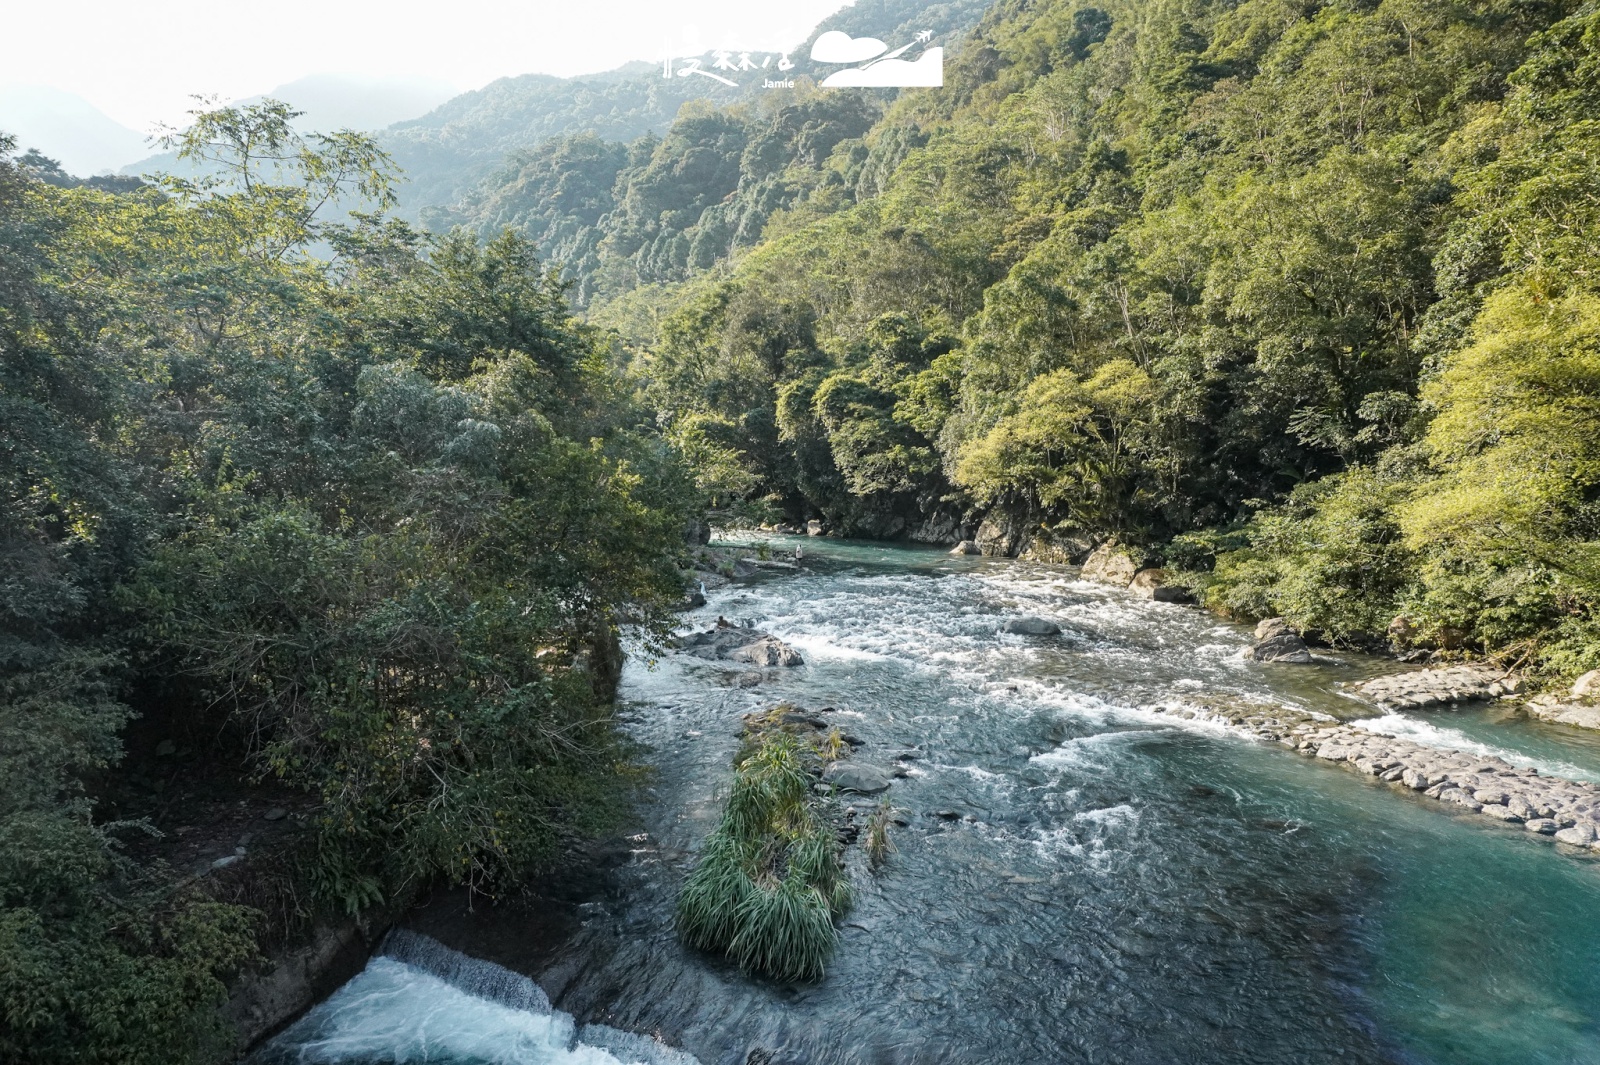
point(351, 506)
point(1186, 265)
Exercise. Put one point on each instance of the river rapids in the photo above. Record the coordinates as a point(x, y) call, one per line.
point(1079, 878)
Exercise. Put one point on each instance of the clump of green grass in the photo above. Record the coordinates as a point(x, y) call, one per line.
point(770, 882)
point(879, 845)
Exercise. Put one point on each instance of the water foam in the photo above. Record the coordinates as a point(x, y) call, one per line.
point(420, 1002)
point(1409, 728)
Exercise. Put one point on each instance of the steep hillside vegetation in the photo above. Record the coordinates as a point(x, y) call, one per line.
point(348, 533)
point(1150, 269)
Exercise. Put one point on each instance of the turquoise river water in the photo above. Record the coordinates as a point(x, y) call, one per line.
point(1078, 879)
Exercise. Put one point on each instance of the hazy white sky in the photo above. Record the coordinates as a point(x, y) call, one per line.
point(138, 61)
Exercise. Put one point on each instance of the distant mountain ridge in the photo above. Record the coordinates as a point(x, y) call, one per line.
point(449, 153)
point(451, 150)
point(67, 128)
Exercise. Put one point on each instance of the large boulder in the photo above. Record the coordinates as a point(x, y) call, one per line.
point(1587, 686)
point(1284, 647)
point(768, 651)
point(1429, 688)
point(1112, 563)
point(697, 532)
point(734, 643)
point(1031, 627)
point(1152, 584)
point(813, 527)
point(966, 547)
point(852, 776)
point(1062, 547)
point(1277, 641)
point(998, 536)
point(1267, 628)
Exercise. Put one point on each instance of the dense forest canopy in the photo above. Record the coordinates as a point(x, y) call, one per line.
point(1301, 297)
point(1302, 292)
point(358, 523)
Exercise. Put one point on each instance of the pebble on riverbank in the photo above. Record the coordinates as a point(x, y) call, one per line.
point(1566, 810)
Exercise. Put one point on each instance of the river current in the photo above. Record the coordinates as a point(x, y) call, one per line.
point(1078, 879)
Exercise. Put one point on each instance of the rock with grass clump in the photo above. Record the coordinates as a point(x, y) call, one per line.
point(770, 881)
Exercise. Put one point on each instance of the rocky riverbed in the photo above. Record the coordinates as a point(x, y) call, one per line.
point(1566, 811)
point(1079, 874)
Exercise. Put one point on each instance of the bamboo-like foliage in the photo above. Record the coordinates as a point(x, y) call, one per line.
point(770, 882)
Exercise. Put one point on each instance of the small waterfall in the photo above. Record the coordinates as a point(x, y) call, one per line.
point(418, 1001)
point(478, 978)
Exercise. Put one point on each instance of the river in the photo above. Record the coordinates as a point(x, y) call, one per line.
point(1079, 879)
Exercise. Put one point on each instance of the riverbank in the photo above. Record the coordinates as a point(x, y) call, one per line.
point(1565, 811)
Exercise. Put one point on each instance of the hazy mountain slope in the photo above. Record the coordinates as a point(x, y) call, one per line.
point(350, 101)
point(67, 128)
point(449, 151)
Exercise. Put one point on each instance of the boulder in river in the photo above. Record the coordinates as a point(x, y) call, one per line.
point(1152, 583)
point(1058, 546)
point(768, 651)
point(966, 547)
point(1112, 563)
point(1276, 641)
point(1428, 688)
point(732, 643)
point(813, 527)
point(1031, 627)
point(862, 779)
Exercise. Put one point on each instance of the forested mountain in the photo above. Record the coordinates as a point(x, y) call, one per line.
point(614, 217)
point(447, 154)
point(1302, 297)
point(1301, 291)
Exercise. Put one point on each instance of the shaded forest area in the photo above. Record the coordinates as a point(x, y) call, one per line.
point(335, 513)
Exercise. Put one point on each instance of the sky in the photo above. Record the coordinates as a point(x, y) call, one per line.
point(140, 62)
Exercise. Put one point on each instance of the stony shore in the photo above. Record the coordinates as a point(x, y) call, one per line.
point(1566, 811)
